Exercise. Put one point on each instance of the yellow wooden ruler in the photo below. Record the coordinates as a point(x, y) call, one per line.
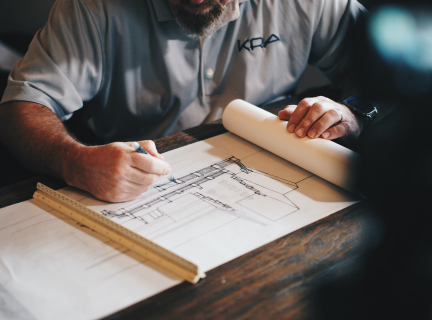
point(116, 232)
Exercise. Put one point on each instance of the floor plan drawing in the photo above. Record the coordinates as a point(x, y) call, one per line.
point(225, 188)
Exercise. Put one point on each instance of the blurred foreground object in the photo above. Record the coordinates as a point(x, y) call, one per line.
point(394, 63)
point(394, 52)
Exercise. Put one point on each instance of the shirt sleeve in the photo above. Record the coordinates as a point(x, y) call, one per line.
point(333, 40)
point(63, 65)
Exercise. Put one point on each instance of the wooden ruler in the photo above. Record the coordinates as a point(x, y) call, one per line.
point(116, 232)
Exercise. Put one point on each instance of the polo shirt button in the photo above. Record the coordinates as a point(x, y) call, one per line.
point(210, 73)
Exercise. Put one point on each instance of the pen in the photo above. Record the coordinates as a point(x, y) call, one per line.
point(140, 149)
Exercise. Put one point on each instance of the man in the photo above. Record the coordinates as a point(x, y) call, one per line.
point(147, 68)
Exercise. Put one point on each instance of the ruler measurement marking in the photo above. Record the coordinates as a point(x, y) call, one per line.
point(142, 246)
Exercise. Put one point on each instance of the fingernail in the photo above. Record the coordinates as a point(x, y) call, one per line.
point(312, 133)
point(291, 128)
point(300, 132)
point(325, 135)
point(279, 115)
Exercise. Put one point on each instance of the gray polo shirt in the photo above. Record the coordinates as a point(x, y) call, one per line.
point(140, 76)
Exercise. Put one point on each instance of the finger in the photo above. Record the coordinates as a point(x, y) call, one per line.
point(315, 112)
point(150, 164)
point(150, 147)
point(336, 131)
point(286, 113)
point(329, 118)
point(119, 191)
point(142, 178)
point(123, 197)
point(298, 115)
point(132, 192)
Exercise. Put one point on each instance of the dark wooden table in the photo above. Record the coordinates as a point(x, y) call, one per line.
point(276, 281)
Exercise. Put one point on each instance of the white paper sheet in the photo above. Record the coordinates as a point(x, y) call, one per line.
point(233, 197)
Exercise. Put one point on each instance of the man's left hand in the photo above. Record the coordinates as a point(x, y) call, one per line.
point(321, 117)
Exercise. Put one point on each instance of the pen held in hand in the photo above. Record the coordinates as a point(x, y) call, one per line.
point(140, 149)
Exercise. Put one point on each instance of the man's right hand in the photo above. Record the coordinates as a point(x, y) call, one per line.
point(115, 172)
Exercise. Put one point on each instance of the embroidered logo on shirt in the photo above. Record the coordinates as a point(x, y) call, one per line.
point(251, 44)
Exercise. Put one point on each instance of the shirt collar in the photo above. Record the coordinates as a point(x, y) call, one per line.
point(164, 12)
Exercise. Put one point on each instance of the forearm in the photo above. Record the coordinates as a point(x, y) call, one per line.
point(37, 138)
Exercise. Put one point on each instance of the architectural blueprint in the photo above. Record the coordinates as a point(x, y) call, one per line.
point(230, 198)
point(225, 188)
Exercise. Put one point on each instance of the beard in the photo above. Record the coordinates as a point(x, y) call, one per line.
point(199, 24)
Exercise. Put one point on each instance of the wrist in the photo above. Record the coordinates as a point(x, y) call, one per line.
point(364, 111)
point(363, 122)
point(71, 162)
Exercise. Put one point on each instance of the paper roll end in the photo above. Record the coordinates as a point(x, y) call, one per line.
point(229, 108)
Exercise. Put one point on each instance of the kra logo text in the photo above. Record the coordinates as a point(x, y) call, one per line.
point(256, 43)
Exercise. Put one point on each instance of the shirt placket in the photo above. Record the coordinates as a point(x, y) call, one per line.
point(201, 72)
point(207, 68)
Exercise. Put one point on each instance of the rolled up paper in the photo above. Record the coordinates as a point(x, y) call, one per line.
point(321, 157)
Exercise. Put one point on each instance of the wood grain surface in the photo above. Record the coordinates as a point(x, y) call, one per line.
point(276, 281)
